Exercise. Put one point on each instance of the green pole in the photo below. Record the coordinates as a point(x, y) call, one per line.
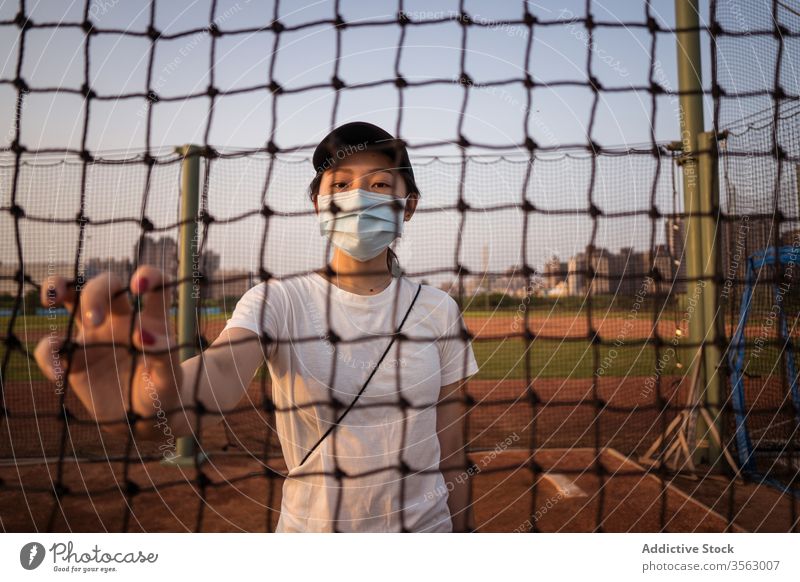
point(712, 312)
point(691, 120)
point(188, 257)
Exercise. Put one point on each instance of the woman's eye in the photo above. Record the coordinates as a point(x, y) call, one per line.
point(339, 185)
point(381, 185)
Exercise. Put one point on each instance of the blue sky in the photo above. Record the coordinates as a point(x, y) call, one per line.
point(118, 65)
point(559, 115)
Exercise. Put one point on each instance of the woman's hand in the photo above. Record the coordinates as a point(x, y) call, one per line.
point(101, 375)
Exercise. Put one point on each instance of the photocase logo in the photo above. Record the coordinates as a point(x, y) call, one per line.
point(31, 555)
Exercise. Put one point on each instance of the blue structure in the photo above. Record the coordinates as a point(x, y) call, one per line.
point(787, 256)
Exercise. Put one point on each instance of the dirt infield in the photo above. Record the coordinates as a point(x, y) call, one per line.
point(570, 495)
point(618, 412)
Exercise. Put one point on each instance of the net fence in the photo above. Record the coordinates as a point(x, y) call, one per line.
point(566, 260)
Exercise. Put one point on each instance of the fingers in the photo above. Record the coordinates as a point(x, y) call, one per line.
point(101, 296)
point(56, 292)
point(52, 364)
point(148, 283)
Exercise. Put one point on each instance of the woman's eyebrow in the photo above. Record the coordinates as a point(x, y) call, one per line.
point(347, 172)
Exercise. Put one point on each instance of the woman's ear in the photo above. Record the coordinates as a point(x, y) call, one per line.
point(411, 206)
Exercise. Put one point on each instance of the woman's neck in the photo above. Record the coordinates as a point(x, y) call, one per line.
point(364, 278)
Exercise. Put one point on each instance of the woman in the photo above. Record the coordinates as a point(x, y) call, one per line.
point(390, 456)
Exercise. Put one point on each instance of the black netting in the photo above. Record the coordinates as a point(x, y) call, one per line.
point(577, 312)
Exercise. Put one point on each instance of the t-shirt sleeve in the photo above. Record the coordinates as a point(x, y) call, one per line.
point(458, 359)
point(265, 300)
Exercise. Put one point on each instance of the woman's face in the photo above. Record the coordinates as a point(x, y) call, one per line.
point(366, 171)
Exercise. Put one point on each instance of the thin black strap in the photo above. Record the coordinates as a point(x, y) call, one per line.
point(364, 387)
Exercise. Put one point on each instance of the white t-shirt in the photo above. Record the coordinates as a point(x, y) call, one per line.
point(377, 433)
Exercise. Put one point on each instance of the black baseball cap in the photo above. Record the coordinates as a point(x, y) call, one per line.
point(362, 136)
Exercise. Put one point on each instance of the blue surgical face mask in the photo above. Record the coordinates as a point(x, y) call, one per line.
point(365, 222)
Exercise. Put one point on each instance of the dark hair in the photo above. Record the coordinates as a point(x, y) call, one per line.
point(392, 262)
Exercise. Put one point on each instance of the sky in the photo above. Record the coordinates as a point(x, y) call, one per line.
point(559, 115)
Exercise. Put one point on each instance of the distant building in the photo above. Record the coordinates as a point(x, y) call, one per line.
point(555, 272)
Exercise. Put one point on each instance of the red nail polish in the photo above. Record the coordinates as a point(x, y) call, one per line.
point(147, 338)
point(144, 285)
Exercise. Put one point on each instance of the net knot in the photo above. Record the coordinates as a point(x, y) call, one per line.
point(403, 18)
point(22, 21)
point(277, 26)
point(655, 274)
point(153, 33)
point(212, 91)
point(400, 82)
point(529, 19)
point(528, 81)
point(654, 213)
point(594, 211)
point(462, 205)
point(268, 405)
point(202, 480)
point(337, 83)
point(656, 88)
point(779, 93)
point(213, 30)
point(275, 88)
point(531, 396)
point(146, 224)
point(530, 144)
point(17, 147)
point(87, 92)
point(12, 341)
point(266, 211)
point(339, 22)
point(132, 489)
point(534, 466)
point(272, 147)
point(59, 490)
point(589, 22)
point(87, 26)
point(652, 25)
point(465, 80)
point(152, 96)
point(17, 211)
point(148, 160)
point(527, 206)
point(81, 219)
point(465, 19)
point(264, 275)
point(462, 270)
point(404, 468)
point(339, 474)
point(463, 141)
point(21, 85)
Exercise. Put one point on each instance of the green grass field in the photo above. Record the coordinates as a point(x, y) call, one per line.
point(498, 359)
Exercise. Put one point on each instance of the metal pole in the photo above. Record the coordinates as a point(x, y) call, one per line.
point(691, 119)
point(188, 259)
point(712, 313)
